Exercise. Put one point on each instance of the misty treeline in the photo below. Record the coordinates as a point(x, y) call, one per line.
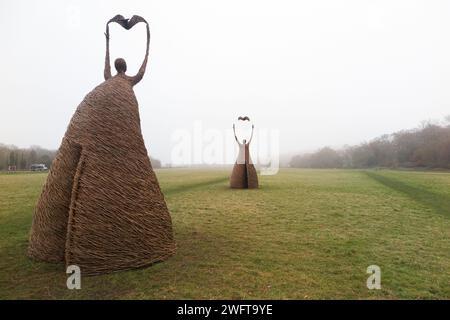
point(425, 147)
point(23, 158)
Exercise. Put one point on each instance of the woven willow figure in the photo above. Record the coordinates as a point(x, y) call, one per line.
point(101, 207)
point(244, 174)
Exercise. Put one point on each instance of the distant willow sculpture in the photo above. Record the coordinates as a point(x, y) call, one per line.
point(244, 174)
point(101, 207)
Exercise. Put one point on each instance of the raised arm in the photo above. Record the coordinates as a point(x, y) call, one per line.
point(251, 137)
point(107, 72)
point(138, 77)
point(123, 22)
point(235, 136)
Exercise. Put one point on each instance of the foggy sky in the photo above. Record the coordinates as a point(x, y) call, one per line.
point(323, 73)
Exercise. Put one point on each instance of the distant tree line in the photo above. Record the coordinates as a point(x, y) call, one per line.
point(155, 163)
point(424, 147)
point(23, 158)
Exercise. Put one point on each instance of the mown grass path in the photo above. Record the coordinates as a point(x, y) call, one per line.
point(440, 203)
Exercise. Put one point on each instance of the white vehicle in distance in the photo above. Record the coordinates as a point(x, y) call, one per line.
point(38, 167)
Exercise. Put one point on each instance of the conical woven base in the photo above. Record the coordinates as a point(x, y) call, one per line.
point(101, 207)
point(244, 174)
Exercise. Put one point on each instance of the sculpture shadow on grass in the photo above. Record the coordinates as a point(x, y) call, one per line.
point(193, 186)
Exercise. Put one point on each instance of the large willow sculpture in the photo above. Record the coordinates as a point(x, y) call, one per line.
point(101, 207)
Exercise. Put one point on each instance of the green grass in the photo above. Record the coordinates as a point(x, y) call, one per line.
point(305, 234)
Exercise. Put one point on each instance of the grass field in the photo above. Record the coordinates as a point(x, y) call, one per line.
point(305, 234)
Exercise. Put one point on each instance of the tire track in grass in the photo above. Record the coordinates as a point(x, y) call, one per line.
point(438, 202)
point(192, 186)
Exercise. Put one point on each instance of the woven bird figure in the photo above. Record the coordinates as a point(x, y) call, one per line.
point(101, 207)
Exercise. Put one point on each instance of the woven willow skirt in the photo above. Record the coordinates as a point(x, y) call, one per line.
point(244, 176)
point(101, 207)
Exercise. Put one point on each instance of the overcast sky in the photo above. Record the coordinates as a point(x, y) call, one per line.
point(321, 72)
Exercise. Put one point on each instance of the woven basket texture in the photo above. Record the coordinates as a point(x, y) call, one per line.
point(101, 207)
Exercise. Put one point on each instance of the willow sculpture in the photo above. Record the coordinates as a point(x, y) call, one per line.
point(101, 207)
point(244, 174)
